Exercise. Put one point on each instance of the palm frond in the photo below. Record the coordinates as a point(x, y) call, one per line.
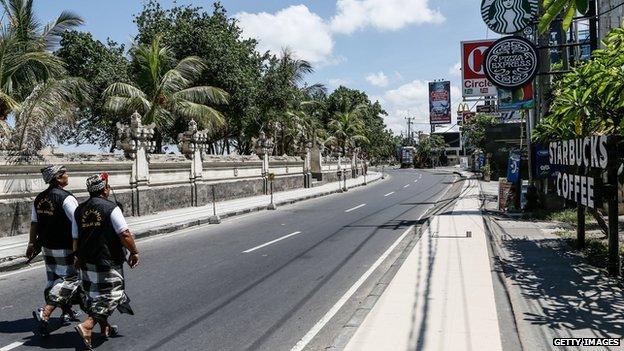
point(125, 90)
point(203, 95)
point(50, 104)
point(206, 116)
point(52, 31)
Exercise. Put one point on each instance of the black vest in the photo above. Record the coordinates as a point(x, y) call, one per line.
point(97, 241)
point(53, 226)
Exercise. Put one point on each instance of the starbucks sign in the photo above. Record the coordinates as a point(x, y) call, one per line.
point(508, 16)
point(511, 62)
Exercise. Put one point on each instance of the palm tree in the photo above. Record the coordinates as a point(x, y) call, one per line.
point(163, 96)
point(32, 83)
point(347, 128)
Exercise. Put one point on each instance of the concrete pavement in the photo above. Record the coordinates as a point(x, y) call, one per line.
point(555, 293)
point(442, 297)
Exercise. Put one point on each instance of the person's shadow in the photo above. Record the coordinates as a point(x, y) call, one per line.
point(65, 339)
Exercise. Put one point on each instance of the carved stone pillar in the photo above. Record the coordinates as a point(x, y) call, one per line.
point(191, 144)
point(136, 141)
point(316, 160)
point(305, 152)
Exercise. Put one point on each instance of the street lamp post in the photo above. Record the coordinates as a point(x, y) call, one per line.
point(263, 147)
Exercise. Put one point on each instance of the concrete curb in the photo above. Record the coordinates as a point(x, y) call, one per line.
point(15, 263)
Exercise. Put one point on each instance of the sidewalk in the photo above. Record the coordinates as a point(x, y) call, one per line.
point(442, 297)
point(554, 291)
point(12, 248)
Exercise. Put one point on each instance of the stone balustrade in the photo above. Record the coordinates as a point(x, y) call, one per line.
point(171, 180)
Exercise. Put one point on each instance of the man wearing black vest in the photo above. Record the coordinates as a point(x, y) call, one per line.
point(53, 231)
point(103, 237)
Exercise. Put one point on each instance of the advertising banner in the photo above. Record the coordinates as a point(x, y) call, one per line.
point(516, 99)
point(440, 102)
point(513, 166)
point(474, 81)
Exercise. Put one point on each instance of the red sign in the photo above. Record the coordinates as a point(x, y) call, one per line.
point(474, 82)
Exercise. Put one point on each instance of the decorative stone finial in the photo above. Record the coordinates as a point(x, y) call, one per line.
point(134, 136)
point(192, 140)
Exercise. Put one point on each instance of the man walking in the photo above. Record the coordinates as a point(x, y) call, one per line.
point(103, 238)
point(53, 231)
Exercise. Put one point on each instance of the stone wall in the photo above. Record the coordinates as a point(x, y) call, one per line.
point(172, 182)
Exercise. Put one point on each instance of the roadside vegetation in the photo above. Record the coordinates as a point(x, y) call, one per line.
point(61, 85)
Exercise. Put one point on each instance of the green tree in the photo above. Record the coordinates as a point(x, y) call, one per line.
point(231, 62)
point(101, 65)
point(282, 93)
point(33, 82)
point(347, 128)
point(590, 99)
point(380, 140)
point(473, 131)
point(165, 96)
point(428, 148)
point(565, 8)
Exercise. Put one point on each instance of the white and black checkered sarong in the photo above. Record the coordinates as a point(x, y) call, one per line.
point(62, 276)
point(104, 290)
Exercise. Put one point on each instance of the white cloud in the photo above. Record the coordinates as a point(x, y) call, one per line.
point(294, 27)
point(383, 15)
point(378, 79)
point(455, 70)
point(412, 99)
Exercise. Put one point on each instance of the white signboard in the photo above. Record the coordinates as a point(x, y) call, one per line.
point(474, 81)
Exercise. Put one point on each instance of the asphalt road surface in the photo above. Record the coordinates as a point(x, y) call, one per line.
point(255, 282)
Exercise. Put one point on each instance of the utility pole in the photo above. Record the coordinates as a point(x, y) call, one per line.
point(409, 129)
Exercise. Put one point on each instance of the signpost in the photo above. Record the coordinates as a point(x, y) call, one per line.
point(511, 62)
point(271, 178)
point(474, 81)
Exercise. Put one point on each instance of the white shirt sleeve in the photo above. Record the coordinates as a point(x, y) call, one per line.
point(69, 206)
point(119, 221)
point(33, 214)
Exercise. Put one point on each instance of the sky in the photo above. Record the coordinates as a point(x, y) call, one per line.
point(390, 49)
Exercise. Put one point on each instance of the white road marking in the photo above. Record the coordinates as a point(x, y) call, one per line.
point(11, 246)
point(390, 193)
point(415, 180)
point(406, 185)
point(301, 344)
point(355, 208)
point(12, 346)
point(271, 242)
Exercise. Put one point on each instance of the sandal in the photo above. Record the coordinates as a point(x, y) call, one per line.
point(43, 324)
point(69, 316)
point(112, 331)
point(85, 341)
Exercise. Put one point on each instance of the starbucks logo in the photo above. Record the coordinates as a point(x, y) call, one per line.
point(511, 62)
point(508, 16)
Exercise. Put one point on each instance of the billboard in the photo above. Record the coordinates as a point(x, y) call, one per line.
point(440, 102)
point(474, 82)
point(516, 99)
